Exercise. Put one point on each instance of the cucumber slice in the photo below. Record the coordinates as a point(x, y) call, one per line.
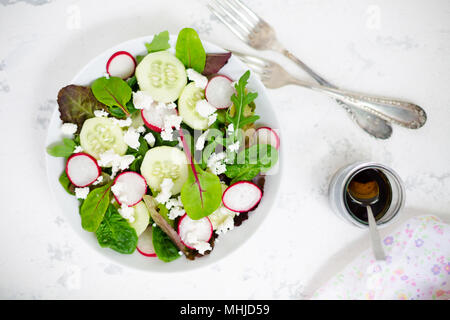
point(162, 75)
point(165, 162)
point(99, 135)
point(141, 218)
point(186, 107)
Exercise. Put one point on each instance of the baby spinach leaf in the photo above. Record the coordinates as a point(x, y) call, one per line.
point(214, 62)
point(165, 249)
point(77, 103)
point(94, 207)
point(116, 233)
point(63, 150)
point(201, 194)
point(189, 50)
point(160, 42)
point(113, 92)
point(66, 184)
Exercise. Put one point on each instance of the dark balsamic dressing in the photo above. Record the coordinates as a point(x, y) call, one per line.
point(385, 195)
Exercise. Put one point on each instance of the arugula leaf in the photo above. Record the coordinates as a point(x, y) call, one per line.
point(66, 184)
point(201, 194)
point(189, 50)
point(113, 92)
point(116, 233)
point(214, 62)
point(94, 207)
point(251, 161)
point(165, 249)
point(63, 150)
point(240, 99)
point(160, 42)
point(77, 103)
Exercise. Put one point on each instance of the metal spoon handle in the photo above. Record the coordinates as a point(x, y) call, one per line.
point(368, 121)
point(400, 112)
point(375, 236)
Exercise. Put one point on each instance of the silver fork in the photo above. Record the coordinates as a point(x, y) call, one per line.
point(257, 33)
point(403, 113)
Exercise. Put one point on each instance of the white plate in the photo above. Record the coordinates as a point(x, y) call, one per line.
point(228, 242)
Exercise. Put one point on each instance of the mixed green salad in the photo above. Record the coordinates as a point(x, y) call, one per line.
point(162, 151)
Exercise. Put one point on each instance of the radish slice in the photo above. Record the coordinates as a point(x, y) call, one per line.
point(242, 196)
point(145, 243)
point(82, 169)
point(266, 135)
point(154, 117)
point(193, 232)
point(129, 188)
point(218, 92)
point(121, 64)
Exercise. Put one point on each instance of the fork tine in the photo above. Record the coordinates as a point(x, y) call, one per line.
point(237, 32)
point(253, 15)
point(244, 17)
point(232, 17)
point(255, 67)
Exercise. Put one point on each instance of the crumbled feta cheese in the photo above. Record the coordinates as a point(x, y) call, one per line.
point(234, 147)
point(212, 118)
point(202, 246)
point(180, 253)
point(142, 100)
point(140, 129)
point(78, 149)
point(69, 128)
point(116, 162)
point(167, 135)
point(230, 128)
point(123, 123)
point(176, 212)
point(216, 163)
point(200, 80)
point(170, 121)
point(127, 212)
point(131, 138)
point(175, 207)
point(200, 144)
point(166, 191)
point(180, 143)
point(171, 105)
point(150, 138)
point(204, 108)
point(81, 193)
point(161, 105)
point(100, 113)
point(98, 181)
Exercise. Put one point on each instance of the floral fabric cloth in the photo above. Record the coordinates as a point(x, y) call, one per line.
point(417, 266)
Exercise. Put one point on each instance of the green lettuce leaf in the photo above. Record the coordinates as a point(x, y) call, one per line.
point(116, 233)
point(113, 92)
point(189, 50)
point(160, 42)
point(165, 249)
point(94, 207)
point(63, 150)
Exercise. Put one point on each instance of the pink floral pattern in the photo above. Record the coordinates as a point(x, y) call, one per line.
point(417, 266)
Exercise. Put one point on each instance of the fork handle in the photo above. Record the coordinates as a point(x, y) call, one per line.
point(403, 113)
point(369, 122)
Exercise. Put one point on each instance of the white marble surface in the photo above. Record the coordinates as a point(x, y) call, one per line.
point(398, 48)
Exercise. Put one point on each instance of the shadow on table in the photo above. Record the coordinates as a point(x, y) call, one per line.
point(345, 256)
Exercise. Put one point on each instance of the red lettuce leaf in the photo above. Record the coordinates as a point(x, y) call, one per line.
point(215, 62)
